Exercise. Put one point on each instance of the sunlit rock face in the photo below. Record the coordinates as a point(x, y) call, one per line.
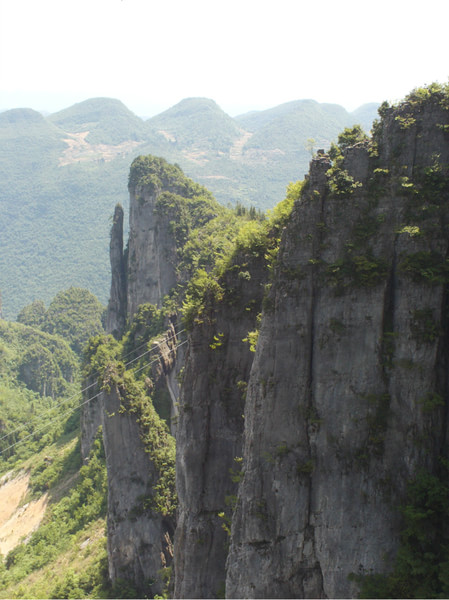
point(151, 251)
point(348, 391)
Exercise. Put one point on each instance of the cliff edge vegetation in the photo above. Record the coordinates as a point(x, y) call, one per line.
point(267, 412)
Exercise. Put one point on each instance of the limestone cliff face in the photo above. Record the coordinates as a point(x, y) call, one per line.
point(91, 416)
point(116, 315)
point(346, 395)
point(210, 427)
point(140, 541)
point(146, 271)
point(151, 251)
point(140, 528)
point(140, 536)
point(139, 455)
point(348, 392)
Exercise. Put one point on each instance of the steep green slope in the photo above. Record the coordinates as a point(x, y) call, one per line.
point(40, 458)
point(66, 556)
point(39, 375)
point(40, 371)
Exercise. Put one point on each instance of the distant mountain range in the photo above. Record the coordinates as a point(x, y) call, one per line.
point(61, 176)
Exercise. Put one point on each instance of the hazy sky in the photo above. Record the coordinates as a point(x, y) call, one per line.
point(244, 54)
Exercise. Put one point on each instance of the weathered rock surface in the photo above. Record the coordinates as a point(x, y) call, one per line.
point(209, 434)
point(140, 536)
point(347, 393)
point(116, 315)
point(91, 415)
point(140, 542)
point(139, 533)
point(140, 539)
point(117, 309)
point(152, 251)
point(338, 415)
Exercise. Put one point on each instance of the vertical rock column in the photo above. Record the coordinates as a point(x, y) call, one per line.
point(140, 541)
point(116, 313)
point(152, 251)
point(140, 459)
point(209, 434)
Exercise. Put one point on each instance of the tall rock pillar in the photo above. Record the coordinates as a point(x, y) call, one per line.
point(116, 314)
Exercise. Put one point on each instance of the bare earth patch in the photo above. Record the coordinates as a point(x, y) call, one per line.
point(237, 149)
point(18, 520)
point(79, 150)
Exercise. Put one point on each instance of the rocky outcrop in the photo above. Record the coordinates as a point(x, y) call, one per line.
point(141, 523)
point(140, 540)
point(91, 415)
point(116, 316)
point(210, 427)
point(348, 392)
point(152, 251)
point(140, 457)
point(139, 452)
point(289, 492)
point(117, 309)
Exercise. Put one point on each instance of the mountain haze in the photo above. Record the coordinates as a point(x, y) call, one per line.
point(197, 122)
point(61, 176)
point(106, 120)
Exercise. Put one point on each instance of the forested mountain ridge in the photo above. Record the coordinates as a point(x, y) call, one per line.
point(61, 176)
point(309, 393)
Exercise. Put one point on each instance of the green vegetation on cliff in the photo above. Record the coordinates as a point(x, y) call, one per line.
point(218, 250)
point(105, 359)
point(209, 238)
point(226, 247)
point(421, 567)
